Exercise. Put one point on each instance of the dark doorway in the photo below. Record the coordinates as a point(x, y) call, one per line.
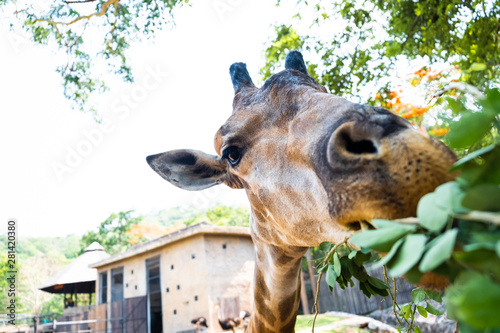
point(154, 295)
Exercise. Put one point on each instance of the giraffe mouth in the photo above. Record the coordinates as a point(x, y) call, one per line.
point(360, 225)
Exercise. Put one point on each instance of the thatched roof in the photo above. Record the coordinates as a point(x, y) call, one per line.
point(77, 277)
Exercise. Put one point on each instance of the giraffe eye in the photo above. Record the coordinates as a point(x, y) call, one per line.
point(232, 154)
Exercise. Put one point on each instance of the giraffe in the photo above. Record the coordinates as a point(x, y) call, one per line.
point(315, 168)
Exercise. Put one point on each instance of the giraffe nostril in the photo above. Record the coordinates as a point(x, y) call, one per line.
point(352, 141)
point(358, 147)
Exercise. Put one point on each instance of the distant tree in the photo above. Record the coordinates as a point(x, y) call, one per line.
point(356, 44)
point(148, 230)
point(226, 216)
point(54, 304)
point(218, 215)
point(112, 233)
point(174, 215)
point(69, 246)
point(33, 273)
point(75, 27)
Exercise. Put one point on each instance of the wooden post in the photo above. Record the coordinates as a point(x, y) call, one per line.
point(311, 272)
point(303, 295)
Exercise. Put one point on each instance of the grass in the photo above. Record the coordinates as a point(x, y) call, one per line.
point(305, 322)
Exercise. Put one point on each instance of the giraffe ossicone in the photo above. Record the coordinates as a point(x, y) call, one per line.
point(315, 168)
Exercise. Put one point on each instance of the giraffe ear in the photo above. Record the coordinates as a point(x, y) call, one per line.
point(240, 76)
point(189, 169)
point(294, 60)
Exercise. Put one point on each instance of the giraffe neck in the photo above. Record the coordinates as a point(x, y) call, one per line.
point(277, 288)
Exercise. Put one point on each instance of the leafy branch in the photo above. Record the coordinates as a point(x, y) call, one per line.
point(85, 17)
point(74, 33)
point(325, 264)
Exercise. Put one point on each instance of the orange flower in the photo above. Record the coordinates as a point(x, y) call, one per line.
point(439, 131)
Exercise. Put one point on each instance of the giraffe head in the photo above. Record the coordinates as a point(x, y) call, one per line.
point(315, 166)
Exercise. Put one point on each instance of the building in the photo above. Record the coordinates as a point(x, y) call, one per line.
point(161, 285)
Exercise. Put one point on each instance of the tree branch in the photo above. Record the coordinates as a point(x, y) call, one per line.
point(462, 86)
point(410, 33)
point(83, 1)
point(316, 299)
point(97, 14)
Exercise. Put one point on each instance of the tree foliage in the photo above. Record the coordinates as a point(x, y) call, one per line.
point(223, 216)
point(112, 233)
point(90, 33)
point(360, 42)
point(149, 230)
point(33, 272)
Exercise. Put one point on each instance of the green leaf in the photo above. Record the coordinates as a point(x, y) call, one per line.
point(406, 311)
point(469, 129)
point(346, 273)
point(418, 295)
point(476, 66)
point(362, 256)
point(456, 105)
point(378, 283)
point(390, 255)
point(357, 271)
point(331, 276)
point(471, 157)
point(352, 254)
point(433, 310)
point(491, 103)
point(479, 246)
point(380, 224)
point(434, 295)
point(485, 197)
point(369, 288)
point(464, 328)
point(364, 289)
point(485, 172)
point(381, 292)
point(497, 247)
point(322, 269)
point(325, 246)
point(381, 239)
point(336, 264)
point(431, 216)
point(408, 255)
point(422, 312)
point(434, 208)
point(440, 251)
point(413, 275)
point(473, 300)
point(417, 329)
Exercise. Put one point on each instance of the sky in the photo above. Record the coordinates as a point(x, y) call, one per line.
point(62, 173)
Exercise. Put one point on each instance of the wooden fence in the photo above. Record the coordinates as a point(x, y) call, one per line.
point(129, 315)
point(352, 299)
